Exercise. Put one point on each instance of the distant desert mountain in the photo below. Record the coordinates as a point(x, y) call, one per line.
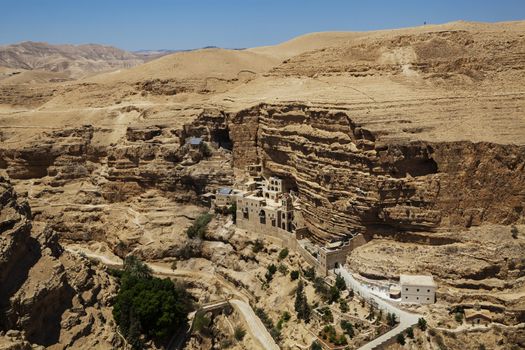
point(76, 60)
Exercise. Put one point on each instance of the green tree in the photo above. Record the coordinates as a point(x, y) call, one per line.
point(459, 317)
point(340, 282)
point(333, 294)
point(271, 270)
point(199, 226)
point(233, 211)
point(410, 333)
point(391, 319)
point(401, 339)
point(148, 307)
point(239, 333)
point(136, 268)
point(422, 324)
point(316, 346)
point(309, 273)
point(348, 328)
point(343, 305)
point(257, 246)
point(301, 303)
point(283, 254)
point(294, 275)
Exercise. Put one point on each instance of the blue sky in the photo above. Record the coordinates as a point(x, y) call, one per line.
point(183, 24)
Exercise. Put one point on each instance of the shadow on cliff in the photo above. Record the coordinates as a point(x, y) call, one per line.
point(46, 318)
point(16, 275)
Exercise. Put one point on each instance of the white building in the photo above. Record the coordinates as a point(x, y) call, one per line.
point(417, 289)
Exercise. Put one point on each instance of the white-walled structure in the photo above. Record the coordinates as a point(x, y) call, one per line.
point(417, 289)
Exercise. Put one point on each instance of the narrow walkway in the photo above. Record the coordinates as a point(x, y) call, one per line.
point(406, 319)
point(255, 326)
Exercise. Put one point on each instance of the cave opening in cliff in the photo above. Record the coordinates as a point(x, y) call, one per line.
point(415, 167)
point(222, 138)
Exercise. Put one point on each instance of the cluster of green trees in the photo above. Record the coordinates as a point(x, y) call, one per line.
point(348, 328)
point(294, 275)
point(302, 309)
point(391, 319)
point(199, 226)
point(147, 307)
point(329, 333)
point(329, 294)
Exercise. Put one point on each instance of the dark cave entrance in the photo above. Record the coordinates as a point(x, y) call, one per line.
point(221, 137)
point(415, 167)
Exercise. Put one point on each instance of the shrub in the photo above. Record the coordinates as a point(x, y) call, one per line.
point(283, 254)
point(257, 246)
point(294, 275)
point(410, 333)
point(328, 317)
point(239, 333)
point(422, 324)
point(401, 339)
point(199, 226)
point(201, 322)
point(514, 231)
point(271, 270)
point(309, 273)
point(206, 149)
point(316, 346)
point(459, 317)
point(283, 269)
point(286, 316)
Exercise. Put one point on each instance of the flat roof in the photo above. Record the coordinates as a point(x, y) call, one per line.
point(195, 140)
point(225, 190)
point(252, 197)
point(417, 280)
point(471, 313)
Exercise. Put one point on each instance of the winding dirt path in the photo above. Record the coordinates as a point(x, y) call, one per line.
point(254, 325)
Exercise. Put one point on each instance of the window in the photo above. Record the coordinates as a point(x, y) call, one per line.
point(418, 289)
point(428, 290)
point(406, 289)
point(428, 298)
point(417, 298)
point(406, 297)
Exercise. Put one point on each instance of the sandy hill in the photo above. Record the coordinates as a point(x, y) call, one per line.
point(197, 64)
point(76, 60)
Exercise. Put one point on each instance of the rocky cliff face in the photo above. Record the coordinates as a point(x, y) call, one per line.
point(47, 296)
point(351, 180)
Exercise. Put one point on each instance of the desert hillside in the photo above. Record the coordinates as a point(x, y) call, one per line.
point(413, 138)
point(75, 60)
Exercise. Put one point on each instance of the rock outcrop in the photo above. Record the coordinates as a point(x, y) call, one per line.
point(47, 296)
